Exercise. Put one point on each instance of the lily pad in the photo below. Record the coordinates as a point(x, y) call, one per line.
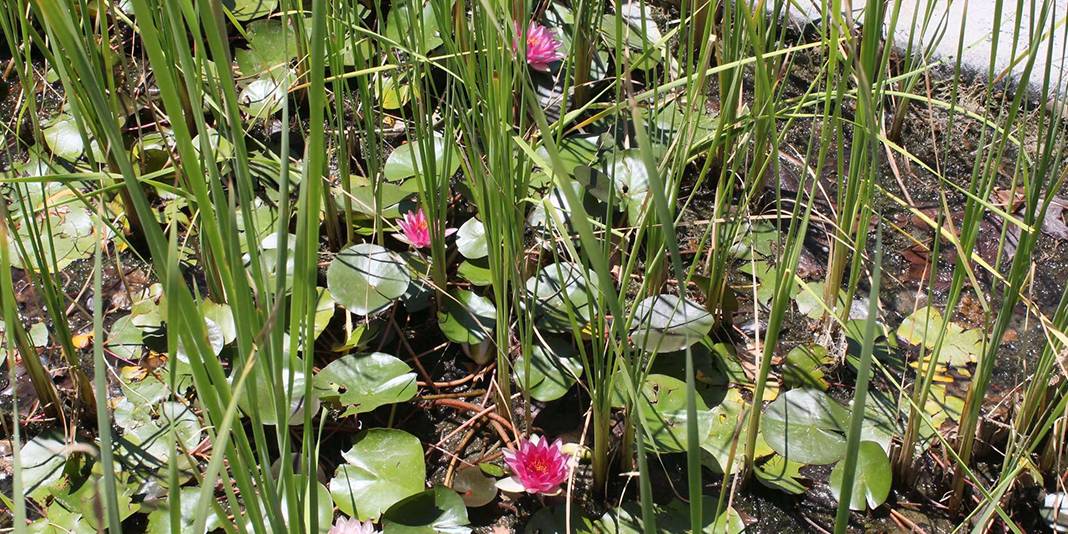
point(471, 239)
point(63, 138)
point(424, 36)
point(663, 406)
point(267, 388)
point(872, 480)
point(408, 160)
point(43, 458)
point(251, 9)
point(666, 323)
point(802, 368)
point(434, 511)
point(383, 467)
point(727, 427)
point(782, 474)
point(366, 278)
point(562, 292)
point(467, 318)
point(363, 382)
point(806, 426)
point(959, 347)
point(474, 487)
point(475, 271)
point(554, 367)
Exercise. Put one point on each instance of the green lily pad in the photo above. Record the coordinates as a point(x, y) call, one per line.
point(475, 271)
point(666, 323)
point(781, 474)
point(640, 35)
point(802, 367)
point(434, 511)
point(562, 292)
point(630, 177)
point(63, 138)
point(264, 96)
point(727, 427)
point(408, 160)
point(324, 311)
point(959, 347)
point(474, 487)
point(124, 339)
point(366, 278)
point(806, 426)
point(467, 318)
point(267, 388)
point(43, 458)
point(382, 468)
point(872, 480)
point(424, 36)
point(471, 239)
point(363, 382)
point(148, 427)
point(271, 49)
point(250, 9)
point(554, 367)
point(663, 406)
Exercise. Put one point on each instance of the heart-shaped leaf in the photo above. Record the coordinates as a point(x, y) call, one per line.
point(663, 406)
point(366, 278)
point(666, 323)
point(63, 139)
point(467, 318)
point(363, 382)
point(779, 473)
point(471, 239)
point(383, 467)
point(408, 159)
point(959, 347)
point(434, 511)
point(806, 426)
point(872, 480)
point(553, 368)
point(561, 293)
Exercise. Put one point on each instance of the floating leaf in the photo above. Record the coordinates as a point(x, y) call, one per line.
point(264, 97)
point(630, 178)
point(663, 406)
point(474, 487)
point(959, 347)
point(471, 239)
point(434, 511)
point(324, 311)
point(408, 160)
point(366, 278)
point(561, 293)
point(42, 458)
point(475, 271)
point(467, 318)
point(801, 369)
point(63, 138)
point(124, 339)
point(364, 382)
point(782, 474)
point(806, 426)
point(250, 9)
point(269, 392)
point(666, 323)
point(271, 49)
point(871, 481)
point(383, 467)
point(554, 367)
point(424, 37)
point(727, 427)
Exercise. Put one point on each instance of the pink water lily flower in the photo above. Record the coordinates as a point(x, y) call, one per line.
point(538, 466)
point(416, 229)
point(352, 526)
point(542, 47)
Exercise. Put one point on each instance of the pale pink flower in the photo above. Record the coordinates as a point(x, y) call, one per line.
point(416, 229)
point(542, 47)
point(538, 466)
point(352, 526)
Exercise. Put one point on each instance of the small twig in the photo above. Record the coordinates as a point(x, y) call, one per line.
point(451, 470)
point(495, 420)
